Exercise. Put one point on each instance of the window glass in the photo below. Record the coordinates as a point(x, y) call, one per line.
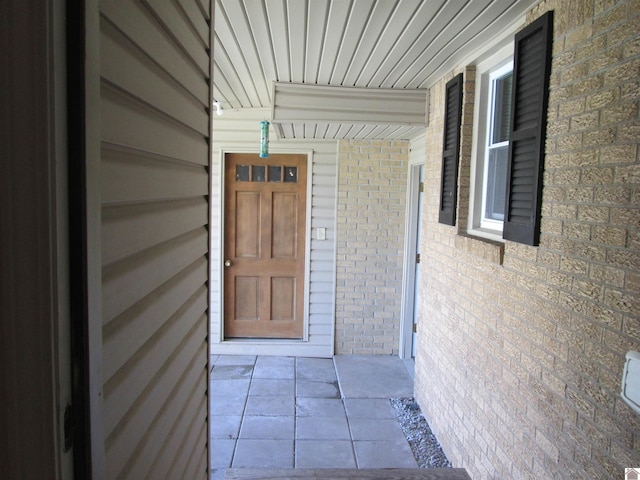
point(502, 90)
point(242, 173)
point(495, 165)
point(490, 171)
point(275, 173)
point(496, 183)
point(291, 174)
point(258, 173)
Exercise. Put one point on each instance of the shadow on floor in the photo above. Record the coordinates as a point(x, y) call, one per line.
point(286, 412)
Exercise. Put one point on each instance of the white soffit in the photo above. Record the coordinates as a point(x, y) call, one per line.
point(297, 104)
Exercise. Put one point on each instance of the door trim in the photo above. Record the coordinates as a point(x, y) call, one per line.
point(260, 345)
point(84, 239)
point(416, 158)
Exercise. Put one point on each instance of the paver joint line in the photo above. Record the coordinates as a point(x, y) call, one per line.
point(307, 412)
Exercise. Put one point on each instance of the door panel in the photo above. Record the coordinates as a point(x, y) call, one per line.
point(265, 222)
point(284, 221)
point(246, 298)
point(283, 298)
point(247, 223)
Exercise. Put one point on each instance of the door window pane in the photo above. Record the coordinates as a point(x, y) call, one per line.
point(242, 173)
point(275, 173)
point(258, 173)
point(291, 174)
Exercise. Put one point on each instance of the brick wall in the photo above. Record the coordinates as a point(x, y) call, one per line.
point(372, 183)
point(521, 350)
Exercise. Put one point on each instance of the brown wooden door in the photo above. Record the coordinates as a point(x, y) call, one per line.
point(264, 244)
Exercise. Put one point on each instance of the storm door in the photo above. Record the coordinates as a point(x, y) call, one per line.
point(264, 245)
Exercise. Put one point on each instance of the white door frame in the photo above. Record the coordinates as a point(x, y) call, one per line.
point(417, 154)
point(217, 343)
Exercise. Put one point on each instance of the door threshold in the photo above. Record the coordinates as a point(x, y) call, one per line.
point(283, 347)
point(262, 340)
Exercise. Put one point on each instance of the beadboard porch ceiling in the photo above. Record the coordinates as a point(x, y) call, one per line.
point(404, 45)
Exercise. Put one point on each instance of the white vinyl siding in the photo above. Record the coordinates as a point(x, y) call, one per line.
point(240, 132)
point(154, 236)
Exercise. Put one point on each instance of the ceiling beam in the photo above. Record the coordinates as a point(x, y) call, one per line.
point(310, 103)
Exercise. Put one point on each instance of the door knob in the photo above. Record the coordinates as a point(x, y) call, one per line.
point(227, 263)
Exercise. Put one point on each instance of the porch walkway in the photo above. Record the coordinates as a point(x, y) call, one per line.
point(286, 412)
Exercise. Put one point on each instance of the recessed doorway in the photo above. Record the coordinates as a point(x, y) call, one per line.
point(264, 245)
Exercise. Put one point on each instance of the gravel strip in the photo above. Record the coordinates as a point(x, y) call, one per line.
point(424, 444)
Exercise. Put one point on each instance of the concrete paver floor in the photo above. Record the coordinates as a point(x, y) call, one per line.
point(286, 412)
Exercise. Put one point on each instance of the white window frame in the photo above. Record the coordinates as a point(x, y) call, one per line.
point(490, 67)
point(494, 74)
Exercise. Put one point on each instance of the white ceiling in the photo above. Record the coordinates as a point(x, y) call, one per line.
point(378, 44)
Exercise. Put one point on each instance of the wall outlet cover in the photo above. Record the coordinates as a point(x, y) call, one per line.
point(631, 381)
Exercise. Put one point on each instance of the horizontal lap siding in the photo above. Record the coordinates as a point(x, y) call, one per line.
point(154, 189)
point(239, 132)
point(323, 252)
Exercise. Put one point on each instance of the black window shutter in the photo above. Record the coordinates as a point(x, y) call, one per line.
point(451, 151)
point(531, 69)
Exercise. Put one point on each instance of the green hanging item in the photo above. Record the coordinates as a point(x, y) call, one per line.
point(264, 139)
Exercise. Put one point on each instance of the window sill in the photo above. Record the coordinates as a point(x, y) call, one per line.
point(491, 235)
point(483, 247)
